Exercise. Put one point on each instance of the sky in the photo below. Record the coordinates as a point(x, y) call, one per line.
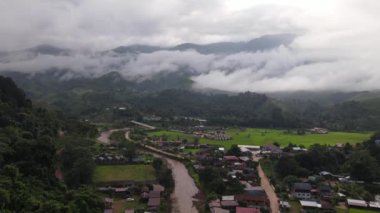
point(336, 47)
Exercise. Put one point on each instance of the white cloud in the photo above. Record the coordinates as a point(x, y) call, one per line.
point(336, 48)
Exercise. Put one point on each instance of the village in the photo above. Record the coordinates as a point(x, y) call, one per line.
point(315, 193)
point(248, 185)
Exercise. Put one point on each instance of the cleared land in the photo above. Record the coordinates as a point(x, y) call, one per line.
point(254, 136)
point(124, 173)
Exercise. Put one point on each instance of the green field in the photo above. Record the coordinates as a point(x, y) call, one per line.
point(124, 173)
point(362, 211)
point(253, 136)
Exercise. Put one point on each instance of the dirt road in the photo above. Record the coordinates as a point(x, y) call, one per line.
point(274, 205)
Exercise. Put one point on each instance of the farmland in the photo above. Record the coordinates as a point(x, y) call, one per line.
point(254, 136)
point(124, 173)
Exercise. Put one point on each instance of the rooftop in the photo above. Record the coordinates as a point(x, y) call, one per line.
point(247, 210)
point(354, 202)
point(154, 202)
point(302, 186)
point(310, 204)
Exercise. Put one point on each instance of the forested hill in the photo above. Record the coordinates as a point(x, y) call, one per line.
point(170, 95)
point(28, 153)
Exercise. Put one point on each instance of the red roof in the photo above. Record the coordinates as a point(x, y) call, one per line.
point(229, 203)
point(252, 198)
point(231, 158)
point(154, 202)
point(154, 194)
point(247, 210)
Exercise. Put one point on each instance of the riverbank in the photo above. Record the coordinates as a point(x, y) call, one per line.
point(185, 188)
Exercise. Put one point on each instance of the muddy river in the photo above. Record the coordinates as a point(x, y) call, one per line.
point(185, 188)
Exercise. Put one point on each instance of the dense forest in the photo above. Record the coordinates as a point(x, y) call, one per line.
point(96, 99)
point(31, 152)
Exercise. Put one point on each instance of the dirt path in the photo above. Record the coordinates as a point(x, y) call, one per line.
point(274, 205)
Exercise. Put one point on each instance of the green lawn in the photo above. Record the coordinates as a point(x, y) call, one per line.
point(361, 211)
point(191, 150)
point(253, 136)
point(268, 167)
point(124, 173)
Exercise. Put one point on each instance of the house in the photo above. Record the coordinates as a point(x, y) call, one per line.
point(374, 205)
point(129, 211)
point(317, 130)
point(325, 191)
point(310, 204)
point(285, 205)
point(357, 203)
point(154, 194)
point(247, 210)
point(158, 188)
point(271, 150)
point(228, 197)
point(219, 210)
point(214, 204)
point(229, 204)
point(302, 190)
point(108, 203)
point(153, 203)
point(254, 195)
point(231, 158)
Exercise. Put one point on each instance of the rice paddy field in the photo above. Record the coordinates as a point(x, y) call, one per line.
point(108, 173)
point(255, 136)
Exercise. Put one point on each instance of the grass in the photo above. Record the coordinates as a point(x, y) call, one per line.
point(255, 136)
point(295, 206)
point(352, 210)
point(191, 150)
point(119, 205)
point(268, 167)
point(124, 173)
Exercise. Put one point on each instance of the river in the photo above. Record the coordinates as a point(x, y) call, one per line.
point(184, 189)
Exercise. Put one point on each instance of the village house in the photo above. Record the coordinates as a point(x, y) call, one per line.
point(153, 203)
point(302, 190)
point(247, 210)
point(317, 130)
point(255, 196)
point(271, 150)
point(129, 211)
point(357, 203)
point(108, 202)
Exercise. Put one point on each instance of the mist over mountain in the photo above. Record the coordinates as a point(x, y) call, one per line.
point(268, 64)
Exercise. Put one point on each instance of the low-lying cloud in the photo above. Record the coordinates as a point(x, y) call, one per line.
point(336, 47)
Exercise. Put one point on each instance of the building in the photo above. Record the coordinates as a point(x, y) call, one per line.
point(317, 130)
point(247, 210)
point(302, 190)
point(153, 203)
point(229, 204)
point(310, 205)
point(219, 210)
point(357, 203)
point(271, 150)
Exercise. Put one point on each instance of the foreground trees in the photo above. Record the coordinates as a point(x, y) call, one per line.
point(28, 147)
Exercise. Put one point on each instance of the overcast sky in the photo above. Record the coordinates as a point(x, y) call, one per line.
point(344, 34)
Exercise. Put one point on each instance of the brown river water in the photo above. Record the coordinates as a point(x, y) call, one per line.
point(184, 189)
